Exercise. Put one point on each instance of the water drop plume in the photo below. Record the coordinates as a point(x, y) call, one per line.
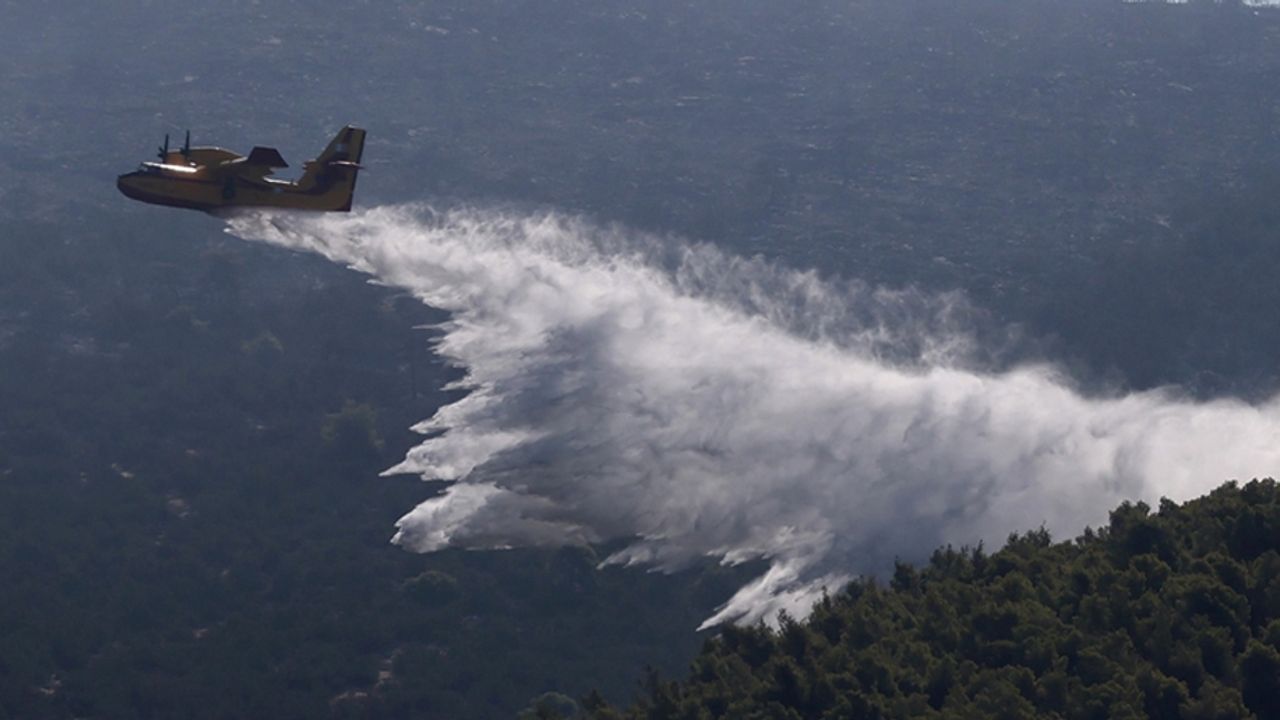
point(700, 405)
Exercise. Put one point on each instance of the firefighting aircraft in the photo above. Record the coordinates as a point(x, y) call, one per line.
point(211, 178)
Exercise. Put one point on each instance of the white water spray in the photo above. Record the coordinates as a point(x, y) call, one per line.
point(701, 405)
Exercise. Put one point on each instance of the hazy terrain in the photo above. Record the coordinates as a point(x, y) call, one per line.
point(191, 426)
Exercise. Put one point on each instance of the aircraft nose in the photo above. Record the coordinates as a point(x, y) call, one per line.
point(124, 183)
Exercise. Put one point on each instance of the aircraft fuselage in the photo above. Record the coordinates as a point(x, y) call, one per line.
point(214, 178)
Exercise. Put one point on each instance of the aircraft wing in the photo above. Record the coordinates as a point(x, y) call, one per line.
point(270, 157)
point(261, 162)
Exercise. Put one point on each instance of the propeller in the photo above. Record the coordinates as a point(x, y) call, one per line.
point(163, 153)
point(186, 146)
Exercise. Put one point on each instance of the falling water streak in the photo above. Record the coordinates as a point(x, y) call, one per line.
point(702, 405)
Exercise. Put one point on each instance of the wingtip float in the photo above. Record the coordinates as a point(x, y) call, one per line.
point(211, 178)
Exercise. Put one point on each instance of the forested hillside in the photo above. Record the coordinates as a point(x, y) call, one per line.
point(1166, 614)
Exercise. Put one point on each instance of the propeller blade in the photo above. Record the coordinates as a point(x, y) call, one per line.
point(164, 149)
point(186, 145)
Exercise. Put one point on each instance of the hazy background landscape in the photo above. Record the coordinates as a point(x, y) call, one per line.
point(191, 426)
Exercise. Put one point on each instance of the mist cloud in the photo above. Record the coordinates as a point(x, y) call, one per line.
point(702, 405)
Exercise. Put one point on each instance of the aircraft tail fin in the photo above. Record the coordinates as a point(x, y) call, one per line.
point(332, 175)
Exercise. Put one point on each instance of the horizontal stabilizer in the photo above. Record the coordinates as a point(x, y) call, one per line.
point(269, 157)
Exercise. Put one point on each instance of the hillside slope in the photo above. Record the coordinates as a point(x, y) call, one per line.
point(1171, 614)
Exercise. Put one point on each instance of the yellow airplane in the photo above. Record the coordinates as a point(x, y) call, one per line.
point(210, 178)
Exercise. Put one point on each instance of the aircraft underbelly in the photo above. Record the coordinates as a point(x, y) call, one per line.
point(209, 195)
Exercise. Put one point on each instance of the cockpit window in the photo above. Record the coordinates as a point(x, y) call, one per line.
point(148, 169)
